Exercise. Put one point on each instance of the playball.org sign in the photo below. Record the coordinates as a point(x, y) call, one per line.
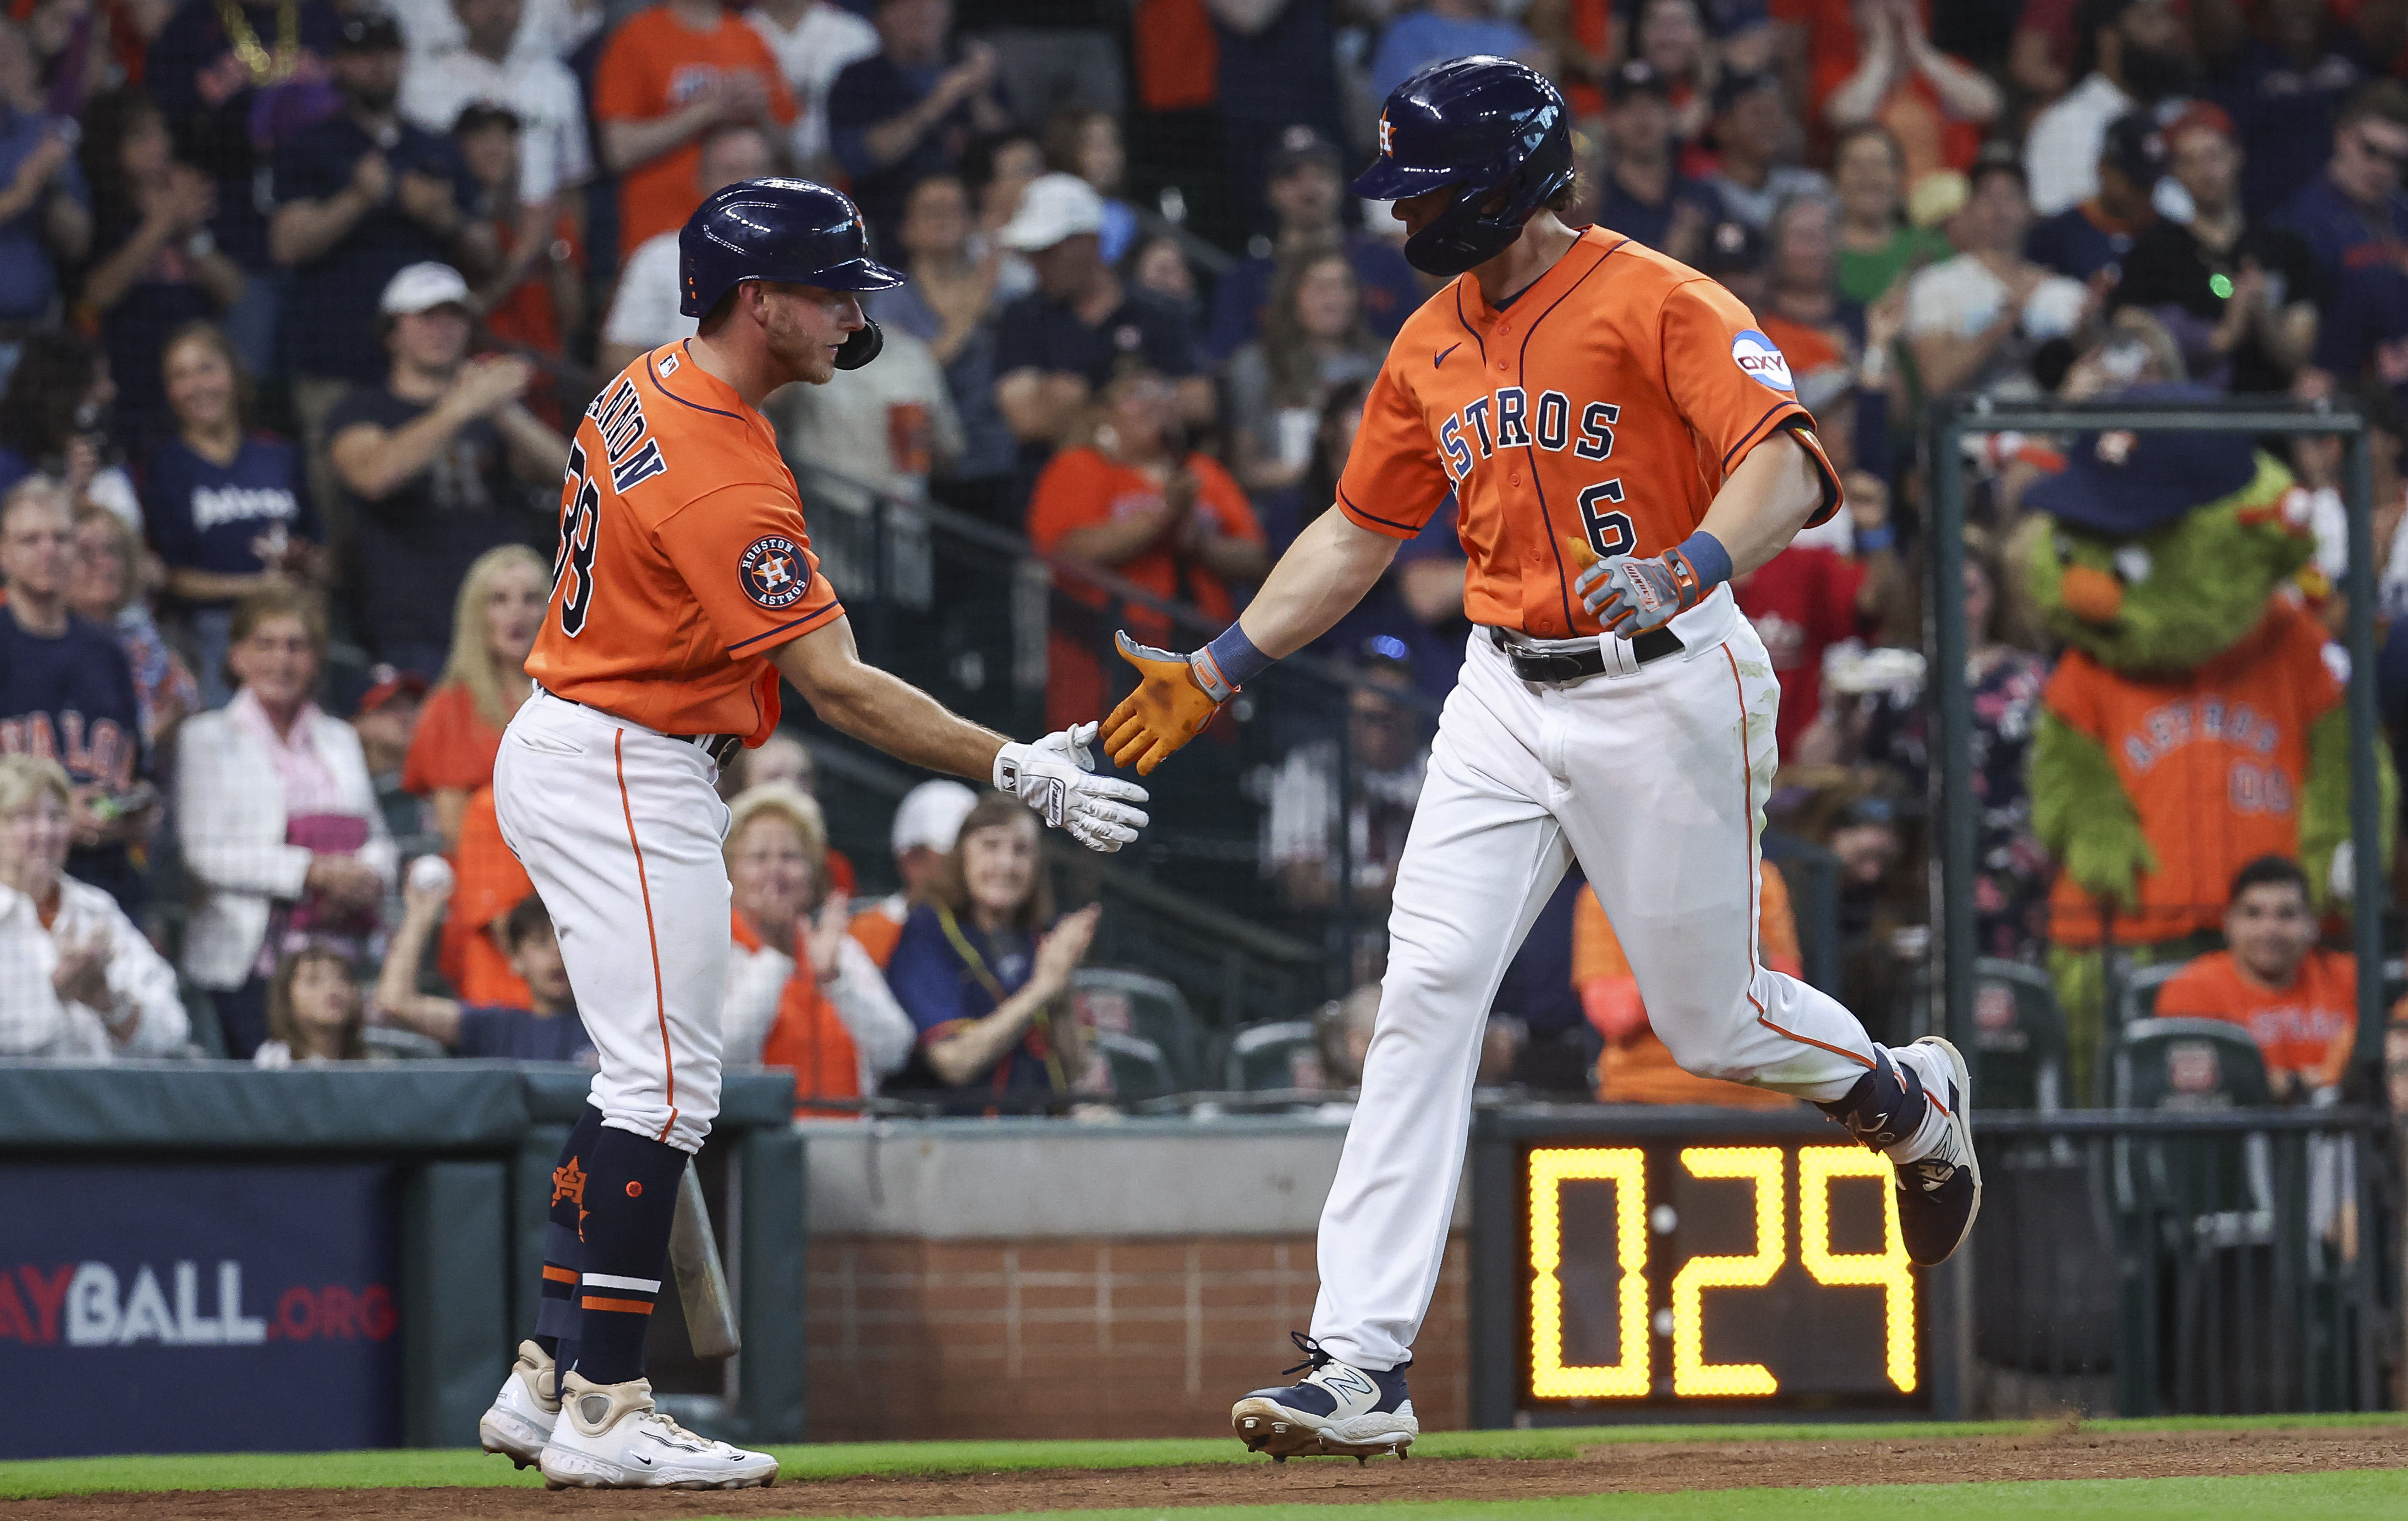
point(272, 1285)
point(81, 1304)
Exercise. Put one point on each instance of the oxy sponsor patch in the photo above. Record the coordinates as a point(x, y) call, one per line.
point(1761, 360)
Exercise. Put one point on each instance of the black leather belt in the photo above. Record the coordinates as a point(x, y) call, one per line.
point(1556, 667)
point(721, 748)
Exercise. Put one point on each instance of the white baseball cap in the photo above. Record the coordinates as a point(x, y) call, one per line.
point(1053, 208)
point(423, 287)
point(931, 814)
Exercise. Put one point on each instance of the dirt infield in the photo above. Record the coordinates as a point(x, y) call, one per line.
point(2062, 1453)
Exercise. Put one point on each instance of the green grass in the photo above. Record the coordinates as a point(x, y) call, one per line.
point(420, 1468)
point(2374, 1495)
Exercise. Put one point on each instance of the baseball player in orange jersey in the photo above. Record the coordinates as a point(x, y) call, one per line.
point(1621, 440)
point(685, 588)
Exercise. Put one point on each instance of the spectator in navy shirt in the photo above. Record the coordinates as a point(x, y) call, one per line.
point(43, 204)
point(359, 196)
point(1645, 195)
point(434, 464)
point(1277, 70)
point(1305, 187)
point(2094, 234)
point(227, 510)
point(982, 969)
point(2282, 90)
point(2354, 215)
point(157, 266)
point(213, 96)
point(66, 692)
point(551, 1031)
point(911, 109)
point(1061, 341)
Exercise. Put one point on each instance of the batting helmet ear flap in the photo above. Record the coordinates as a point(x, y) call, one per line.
point(862, 347)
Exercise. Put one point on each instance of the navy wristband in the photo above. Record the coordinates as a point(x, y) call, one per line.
point(1235, 654)
point(1709, 559)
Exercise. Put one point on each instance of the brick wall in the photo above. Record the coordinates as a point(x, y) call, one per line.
point(922, 1339)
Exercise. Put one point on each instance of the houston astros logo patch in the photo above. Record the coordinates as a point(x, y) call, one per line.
point(1759, 359)
point(774, 572)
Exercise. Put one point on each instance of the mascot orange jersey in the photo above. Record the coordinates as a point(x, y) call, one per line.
point(2215, 756)
point(683, 559)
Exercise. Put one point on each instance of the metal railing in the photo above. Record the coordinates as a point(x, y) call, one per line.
point(2232, 1262)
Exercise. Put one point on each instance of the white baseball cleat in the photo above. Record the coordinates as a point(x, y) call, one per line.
point(610, 1437)
point(1338, 1410)
point(1939, 1195)
point(523, 1413)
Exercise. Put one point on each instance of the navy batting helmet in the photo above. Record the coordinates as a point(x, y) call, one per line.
point(1496, 131)
point(787, 230)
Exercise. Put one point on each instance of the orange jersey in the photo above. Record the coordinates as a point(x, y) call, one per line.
point(1596, 415)
point(454, 745)
point(2215, 758)
point(683, 558)
point(654, 65)
point(2296, 1027)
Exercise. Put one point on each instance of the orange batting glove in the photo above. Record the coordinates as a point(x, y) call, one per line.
point(1176, 695)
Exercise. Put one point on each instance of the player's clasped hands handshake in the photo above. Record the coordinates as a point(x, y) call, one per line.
point(1055, 777)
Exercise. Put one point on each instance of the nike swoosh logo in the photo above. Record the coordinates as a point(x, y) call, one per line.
point(1443, 353)
point(641, 1459)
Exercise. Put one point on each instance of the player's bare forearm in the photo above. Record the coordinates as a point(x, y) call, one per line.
point(1329, 568)
point(1764, 503)
point(883, 710)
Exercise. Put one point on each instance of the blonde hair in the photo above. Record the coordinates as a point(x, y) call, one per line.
point(42, 488)
point(471, 663)
point(25, 778)
point(799, 810)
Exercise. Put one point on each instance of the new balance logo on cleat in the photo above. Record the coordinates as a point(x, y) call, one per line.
point(1338, 1410)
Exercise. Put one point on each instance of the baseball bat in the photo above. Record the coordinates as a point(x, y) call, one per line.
point(701, 1282)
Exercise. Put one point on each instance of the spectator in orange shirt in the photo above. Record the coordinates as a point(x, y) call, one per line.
point(1637, 1067)
point(670, 75)
point(451, 763)
point(493, 625)
point(2295, 998)
point(1137, 502)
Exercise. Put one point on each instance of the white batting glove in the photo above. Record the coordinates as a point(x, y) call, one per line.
point(1052, 776)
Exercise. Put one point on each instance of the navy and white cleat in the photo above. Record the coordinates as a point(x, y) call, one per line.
point(1336, 1410)
point(1939, 1195)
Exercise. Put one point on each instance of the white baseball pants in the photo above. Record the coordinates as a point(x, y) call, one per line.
point(618, 826)
point(1656, 782)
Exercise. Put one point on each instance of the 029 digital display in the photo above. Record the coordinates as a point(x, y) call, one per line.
point(1745, 1270)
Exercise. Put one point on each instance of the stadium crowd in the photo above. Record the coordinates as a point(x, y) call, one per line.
point(298, 299)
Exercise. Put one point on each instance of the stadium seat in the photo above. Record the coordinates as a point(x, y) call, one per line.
point(2020, 1033)
point(1110, 1001)
point(2141, 990)
point(2212, 1189)
point(1265, 1058)
point(1138, 1068)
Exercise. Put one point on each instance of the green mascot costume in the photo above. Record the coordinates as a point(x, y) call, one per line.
point(2195, 721)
